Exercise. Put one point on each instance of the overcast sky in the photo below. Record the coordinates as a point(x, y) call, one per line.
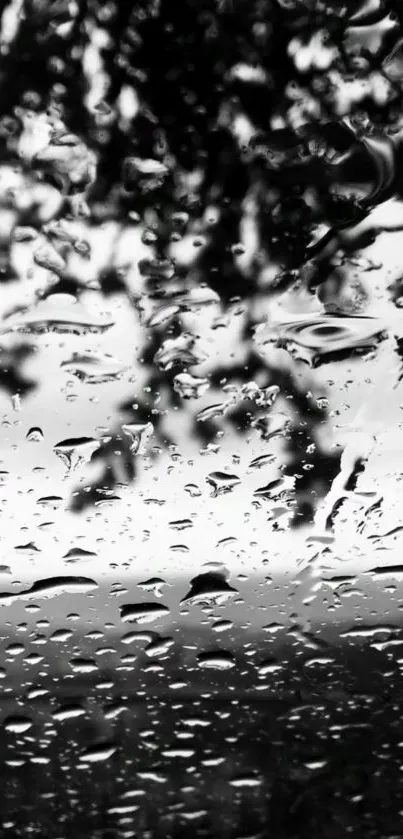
point(134, 537)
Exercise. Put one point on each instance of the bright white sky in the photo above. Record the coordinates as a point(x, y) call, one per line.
point(134, 538)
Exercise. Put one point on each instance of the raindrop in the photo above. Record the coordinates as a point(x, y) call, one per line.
point(209, 588)
point(190, 387)
point(76, 451)
point(94, 368)
point(35, 434)
point(222, 482)
point(78, 555)
point(268, 666)
point(270, 488)
point(181, 524)
point(243, 781)
point(157, 269)
point(53, 501)
point(140, 434)
point(68, 712)
point(178, 351)
point(59, 313)
point(222, 625)
point(83, 665)
point(154, 584)
point(217, 660)
point(143, 612)
point(193, 490)
point(262, 460)
point(159, 647)
point(131, 637)
point(162, 316)
point(51, 587)
point(61, 635)
point(323, 338)
point(98, 753)
point(17, 725)
point(382, 572)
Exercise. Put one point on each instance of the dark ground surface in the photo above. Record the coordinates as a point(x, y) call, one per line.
point(315, 755)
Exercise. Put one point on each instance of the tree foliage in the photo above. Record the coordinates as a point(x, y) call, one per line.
point(214, 121)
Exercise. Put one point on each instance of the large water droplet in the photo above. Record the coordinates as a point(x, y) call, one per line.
point(76, 451)
point(217, 660)
point(222, 481)
point(98, 753)
point(143, 612)
point(17, 724)
point(94, 368)
point(209, 588)
point(318, 339)
point(59, 313)
point(51, 587)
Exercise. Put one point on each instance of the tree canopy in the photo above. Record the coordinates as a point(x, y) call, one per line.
point(259, 134)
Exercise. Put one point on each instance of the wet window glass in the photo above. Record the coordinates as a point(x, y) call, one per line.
point(201, 366)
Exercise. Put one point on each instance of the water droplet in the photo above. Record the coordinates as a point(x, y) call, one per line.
point(209, 588)
point(143, 612)
point(94, 368)
point(68, 712)
point(61, 635)
point(83, 665)
point(51, 587)
point(157, 269)
point(140, 434)
point(320, 339)
point(35, 434)
point(159, 647)
point(385, 571)
point(269, 666)
point(98, 753)
point(244, 781)
point(76, 451)
point(178, 351)
point(181, 524)
point(78, 555)
point(59, 313)
point(217, 660)
point(17, 725)
point(222, 625)
point(222, 482)
point(154, 584)
point(190, 387)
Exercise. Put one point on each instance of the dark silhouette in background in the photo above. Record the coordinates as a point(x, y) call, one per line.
point(197, 70)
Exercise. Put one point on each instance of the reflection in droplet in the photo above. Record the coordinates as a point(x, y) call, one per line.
point(211, 587)
point(143, 612)
point(222, 481)
point(154, 584)
point(217, 660)
point(99, 753)
point(140, 434)
point(317, 339)
point(59, 313)
point(17, 725)
point(78, 555)
point(190, 387)
point(76, 451)
point(93, 368)
point(35, 435)
point(51, 587)
point(68, 712)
